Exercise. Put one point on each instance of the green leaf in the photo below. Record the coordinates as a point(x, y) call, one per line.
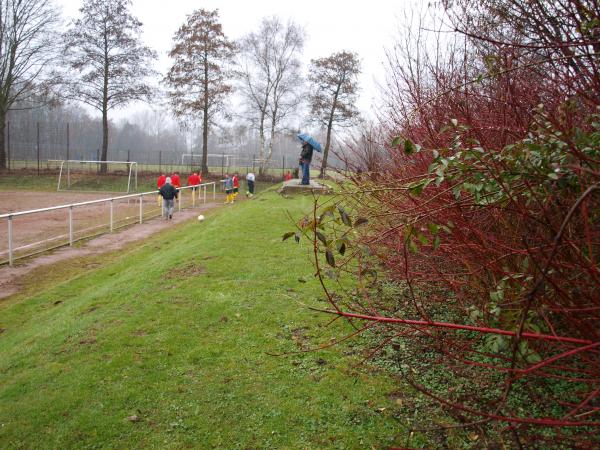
point(330, 258)
point(418, 187)
point(331, 274)
point(454, 122)
point(436, 242)
point(321, 237)
point(423, 239)
point(412, 246)
point(409, 147)
point(433, 228)
point(328, 211)
point(456, 191)
point(288, 235)
point(345, 218)
point(396, 141)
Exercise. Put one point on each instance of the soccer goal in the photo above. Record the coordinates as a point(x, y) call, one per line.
point(214, 160)
point(120, 176)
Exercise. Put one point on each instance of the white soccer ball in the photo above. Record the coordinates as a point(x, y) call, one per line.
point(200, 217)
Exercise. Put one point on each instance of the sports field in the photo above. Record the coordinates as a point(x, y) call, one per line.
point(198, 337)
point(41, 231)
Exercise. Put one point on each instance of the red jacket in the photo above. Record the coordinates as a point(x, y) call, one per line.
point(175, 180)
point(236, 182)
point(161, 180)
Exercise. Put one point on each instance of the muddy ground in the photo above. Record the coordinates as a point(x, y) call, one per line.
point(32, 232)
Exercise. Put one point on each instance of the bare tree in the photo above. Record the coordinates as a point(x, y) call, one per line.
point(27, 46)
point(334, 89)
point(109, 62)
point(269, 68)
point(197, 79)
point(551, 31)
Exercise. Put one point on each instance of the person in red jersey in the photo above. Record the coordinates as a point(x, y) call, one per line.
point(236, 186)
point(159, 183)
point(175, 180)
point(194, 180)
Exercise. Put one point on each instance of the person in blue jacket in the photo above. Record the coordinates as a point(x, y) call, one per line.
point(305, 159)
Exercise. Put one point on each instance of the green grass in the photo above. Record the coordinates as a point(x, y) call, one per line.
point(177, 330)
point(30, 181)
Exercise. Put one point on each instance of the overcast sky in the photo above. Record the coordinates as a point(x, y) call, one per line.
point(331, 25)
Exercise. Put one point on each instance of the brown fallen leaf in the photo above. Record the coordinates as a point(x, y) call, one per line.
point(134, 418)
point(473, 436)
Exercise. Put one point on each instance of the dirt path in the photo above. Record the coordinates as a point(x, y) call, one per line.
point(10, 277)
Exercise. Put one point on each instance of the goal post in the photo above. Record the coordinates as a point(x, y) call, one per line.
point(78, 174)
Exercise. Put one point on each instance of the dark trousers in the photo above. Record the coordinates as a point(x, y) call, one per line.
point(250, 186)
point(305, 165)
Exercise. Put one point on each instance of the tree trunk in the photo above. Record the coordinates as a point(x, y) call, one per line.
point(205, 120)
point(205, 142)
point(2, 140)
point(273, 125)
point(329, 127)
point(326, 150)
point(104, 153)
point(261, 144)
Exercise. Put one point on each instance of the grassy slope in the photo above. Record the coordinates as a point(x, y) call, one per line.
point(176, 331)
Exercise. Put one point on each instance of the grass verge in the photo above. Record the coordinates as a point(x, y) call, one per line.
point(166, 344)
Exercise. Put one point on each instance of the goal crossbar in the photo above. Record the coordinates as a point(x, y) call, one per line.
point(62, 162)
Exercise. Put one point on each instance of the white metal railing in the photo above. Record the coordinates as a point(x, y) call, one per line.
point(71, 207)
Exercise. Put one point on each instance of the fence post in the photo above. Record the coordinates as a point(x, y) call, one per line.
point(141, 208)
point(68, 142)
point(10, 243)
point(160, 161)
point(8, 142)
point(179, 200)
point(204, 193)
point(111, 216)
point(214, 190)
point(71, 225)
point(38, 148)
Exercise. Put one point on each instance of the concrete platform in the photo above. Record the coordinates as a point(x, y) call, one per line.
point(294, 187)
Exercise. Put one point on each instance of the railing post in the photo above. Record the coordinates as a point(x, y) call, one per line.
point(111, 215)
point(179, 200)
point(71, 225)
point(214, 190)
point(194, 197)
point(141, 208)
point(10, 243)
